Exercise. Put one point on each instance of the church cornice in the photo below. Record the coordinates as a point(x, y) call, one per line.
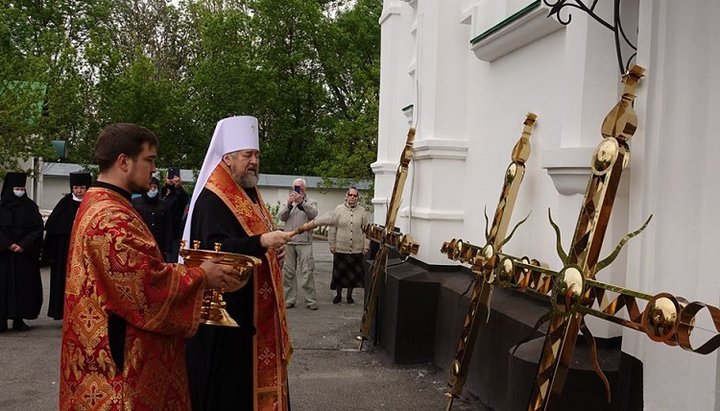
point(568, 168)
point(389, 10)
point(516, 30)
point(435, 148)
point(384, 167)
point(430, 214)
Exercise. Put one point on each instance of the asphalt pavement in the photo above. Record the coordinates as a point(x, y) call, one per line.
point(327, 372)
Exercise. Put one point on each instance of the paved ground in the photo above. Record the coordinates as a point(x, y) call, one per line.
point(326, 373)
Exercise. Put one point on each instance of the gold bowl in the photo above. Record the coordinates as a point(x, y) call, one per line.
point(213, 306)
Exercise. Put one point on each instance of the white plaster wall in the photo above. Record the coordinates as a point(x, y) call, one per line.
point(570, 79)
point(397, 91)
point(469, 115)
point(675, 178)
point(502, 92)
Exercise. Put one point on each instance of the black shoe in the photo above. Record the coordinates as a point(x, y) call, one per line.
point(337, 299)
point(350, 299)
point(19, 325)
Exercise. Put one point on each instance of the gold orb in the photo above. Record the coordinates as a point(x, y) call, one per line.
point(510, 173)
point(567, 290)
point(660, 317)
point(605, 155)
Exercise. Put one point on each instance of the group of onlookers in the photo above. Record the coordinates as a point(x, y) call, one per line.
point(133, 336)
point(346, 240)
point(23, 249)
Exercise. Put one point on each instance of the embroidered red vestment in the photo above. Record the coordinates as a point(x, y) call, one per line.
point(115, 267)
point(271, 343)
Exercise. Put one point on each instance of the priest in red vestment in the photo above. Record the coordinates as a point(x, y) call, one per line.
point(243, 368)
point(127, 313)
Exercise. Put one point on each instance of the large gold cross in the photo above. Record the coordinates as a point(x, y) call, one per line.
point(569, 291)
point(386, 236)
point(574, 291)
point(483, 260)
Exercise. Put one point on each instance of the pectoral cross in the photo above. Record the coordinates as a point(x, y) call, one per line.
point(484, 260)
point(387, 237)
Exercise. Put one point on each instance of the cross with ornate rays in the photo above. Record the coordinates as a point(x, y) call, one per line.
point(569, 291)
point(484, 260)
point(574, 292)
point(387, 237)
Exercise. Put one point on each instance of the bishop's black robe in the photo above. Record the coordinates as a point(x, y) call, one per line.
point(55, 251)
point(228, 367)
point(21, 292)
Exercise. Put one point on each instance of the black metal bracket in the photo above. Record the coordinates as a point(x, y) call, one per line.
point(616, 25)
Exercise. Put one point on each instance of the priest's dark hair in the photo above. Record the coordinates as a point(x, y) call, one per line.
point(121, 138)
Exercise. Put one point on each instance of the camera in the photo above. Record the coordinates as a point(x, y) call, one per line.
point(297, 189)
point(172, 172)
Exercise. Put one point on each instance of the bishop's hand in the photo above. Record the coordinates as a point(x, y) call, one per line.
point(275, 239)
point(280, 255)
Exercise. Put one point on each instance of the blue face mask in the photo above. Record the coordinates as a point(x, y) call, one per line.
point(152, 193)
point(19, 193)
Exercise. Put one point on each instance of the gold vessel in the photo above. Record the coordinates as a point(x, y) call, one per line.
point(213, 306)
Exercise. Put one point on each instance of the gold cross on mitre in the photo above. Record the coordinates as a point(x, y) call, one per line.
point(386, 236)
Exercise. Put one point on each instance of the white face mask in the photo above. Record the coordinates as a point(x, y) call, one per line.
point(152, 193)
point(19, 193)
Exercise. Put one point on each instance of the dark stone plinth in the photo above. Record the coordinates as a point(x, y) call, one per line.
point(420, 318)
point(407, 314)
point(583, 388)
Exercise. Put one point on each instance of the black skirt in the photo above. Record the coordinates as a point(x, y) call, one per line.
point(348, 271)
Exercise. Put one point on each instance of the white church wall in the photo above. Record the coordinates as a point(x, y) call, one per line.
point(527, 80)
point(675, 170)
point(569, 77)
point(398, 46)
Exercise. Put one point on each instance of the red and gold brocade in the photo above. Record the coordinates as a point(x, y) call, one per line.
point(115, 266)
point(271, 344)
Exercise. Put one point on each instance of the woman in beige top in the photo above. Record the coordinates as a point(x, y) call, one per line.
point(348, 245)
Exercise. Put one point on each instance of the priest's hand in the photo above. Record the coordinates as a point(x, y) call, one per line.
point(275, 239)
point(221, 276)
point(16, 248)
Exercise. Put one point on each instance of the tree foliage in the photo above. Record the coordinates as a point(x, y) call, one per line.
point(308, 69)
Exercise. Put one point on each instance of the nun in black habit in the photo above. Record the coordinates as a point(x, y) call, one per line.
point(57, 240)
point(21, 228)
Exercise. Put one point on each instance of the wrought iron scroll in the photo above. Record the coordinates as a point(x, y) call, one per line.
point(616, 26)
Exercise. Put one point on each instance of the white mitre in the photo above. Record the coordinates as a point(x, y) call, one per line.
point(231, 134)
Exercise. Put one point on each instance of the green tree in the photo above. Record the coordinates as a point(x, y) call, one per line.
point(308, 69)
point(37, 46)
point(349, 50)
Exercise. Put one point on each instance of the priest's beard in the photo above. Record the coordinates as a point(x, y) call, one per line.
point(244, 180)
point(247, 181)
point(245, 177)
